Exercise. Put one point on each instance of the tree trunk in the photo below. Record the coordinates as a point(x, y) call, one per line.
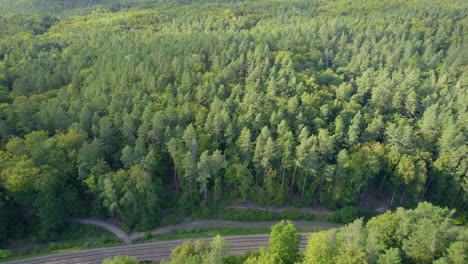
point(256, 177)
point(464, 206)
point(282, 183)
point(175, 179)
point(403, 195)
point(215, 189)
point(303, 186)
point(425, 190)
point(108, 154)
point(190, 187)
point(320, 187)
point(292, 182)
point(455, 197)
point(393, 196)
point(382, 183)
point(449, 195)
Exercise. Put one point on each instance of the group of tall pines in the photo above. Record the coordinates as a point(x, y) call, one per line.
point(127, 108)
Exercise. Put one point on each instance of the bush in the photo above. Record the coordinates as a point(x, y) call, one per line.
point(5, 253)
point(348, 214)
point(121, 260)
point(148, 235)
point(296, 215)
point(203, 212)
point(250, 215)
point(461, 219)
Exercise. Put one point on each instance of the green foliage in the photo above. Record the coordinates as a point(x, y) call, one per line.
point(250, 215)
point(284, 242)
point(348, 214)
point(200, 252)
point(296, 215)
point(320, 249)
point(5, 253)
point(121, 260)
point(423, 235)
point(264, 215)
point(204, 233)
point(121, 108)
point(283, 246)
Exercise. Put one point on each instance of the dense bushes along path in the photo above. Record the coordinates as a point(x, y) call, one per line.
point(128, 238)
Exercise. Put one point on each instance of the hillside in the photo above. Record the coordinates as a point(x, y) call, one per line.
point(135, 109)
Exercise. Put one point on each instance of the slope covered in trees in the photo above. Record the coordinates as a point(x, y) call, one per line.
point(127, 108)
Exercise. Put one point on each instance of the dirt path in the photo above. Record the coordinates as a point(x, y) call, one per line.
point(109, 227)
point(197, 224)
point(200, 224)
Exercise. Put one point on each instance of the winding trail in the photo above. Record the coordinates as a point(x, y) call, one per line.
point(196, 224)
point(119, 233)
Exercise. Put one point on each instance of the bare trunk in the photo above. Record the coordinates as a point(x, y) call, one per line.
point(455, 197)
point(190, 187)
point(450, 195)
point(256, 177)
point(175, 179)
point(282, 182)
point(393, 196)
point(320, 187)
point(382, 183)
point(108, 153)
point(464, 205)
point(303, 186)
point(215, 189)
point(403, 195)
point(292, 182)
point(425, 190)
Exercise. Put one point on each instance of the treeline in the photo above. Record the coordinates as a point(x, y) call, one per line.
point(423, 235)
point(127, 112)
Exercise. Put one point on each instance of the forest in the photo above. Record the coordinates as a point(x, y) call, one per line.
point(129, 109)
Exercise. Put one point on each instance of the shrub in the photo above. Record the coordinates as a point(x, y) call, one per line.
point(296, 215)
point(346, 215)
point(5, 253)
point(148, 235)
point(250, 215)
point(461, 219)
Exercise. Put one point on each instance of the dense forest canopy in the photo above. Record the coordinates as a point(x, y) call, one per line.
point(126, 108)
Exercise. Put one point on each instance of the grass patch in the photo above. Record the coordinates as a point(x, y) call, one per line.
point(74, 238)
point(68, 246)
point(192, 233)
point(251, 214)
